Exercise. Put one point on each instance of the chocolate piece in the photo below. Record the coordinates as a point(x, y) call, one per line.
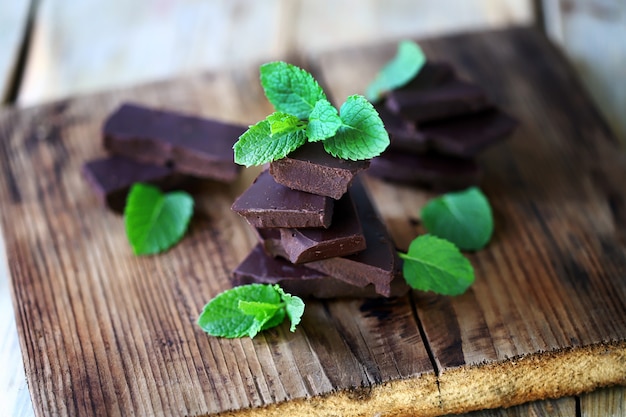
point(465, 136)
point(431, 75)
point(343, 237)
point(269, 239)
point(462, 136)
point(402, 134)
point(258, 267)
point(432, 170)
point(454, 98)
point(112, 177)
point(188, 144)
point(378, 264)
point(310, 168)
point(269, 204)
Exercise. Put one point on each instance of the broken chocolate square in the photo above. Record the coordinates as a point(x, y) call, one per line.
point(112, 177)
point(259, 267)
point(311, 169)
point(190, 145)
point(267, 203)
point(343, 237)
point(451, 99)
point(432, 170)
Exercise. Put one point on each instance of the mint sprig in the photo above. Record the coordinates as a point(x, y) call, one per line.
point(155, 221)
point(248, 309)
point(434, 264)
point(407, 63)
point(304, 114)
point(463, 217)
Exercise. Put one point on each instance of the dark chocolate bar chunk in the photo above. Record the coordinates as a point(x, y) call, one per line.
point(259, 267)
point(311, 169)
point(269, 239)
point(451, 99)
point(112, 177)
point(267, 203)
point(431, 75)
point(461, 136)
point(343, 237)
point(188, 144)
point(466, 136)
point(378, 264)
point(432, 170)
point(402, 134)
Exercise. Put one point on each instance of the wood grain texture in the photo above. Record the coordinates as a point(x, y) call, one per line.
point(104, 332)
point(142, 40)
point(606, 402)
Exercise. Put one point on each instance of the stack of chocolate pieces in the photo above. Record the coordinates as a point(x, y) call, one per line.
point(319, 234)
point(162, 148)
point(437, 125)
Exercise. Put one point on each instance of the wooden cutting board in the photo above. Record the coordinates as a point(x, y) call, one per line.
point(106, 333)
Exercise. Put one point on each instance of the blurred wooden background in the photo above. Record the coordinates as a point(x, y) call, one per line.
point(52, 49)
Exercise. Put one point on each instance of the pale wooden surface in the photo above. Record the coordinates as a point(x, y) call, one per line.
point(127, 341)
point(13, 16)
point(144, 40)
point(592, 33)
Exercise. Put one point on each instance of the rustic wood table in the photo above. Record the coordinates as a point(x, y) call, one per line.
point(103, 333)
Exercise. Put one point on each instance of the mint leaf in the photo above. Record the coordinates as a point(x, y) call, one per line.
point(434, 264)
point(258, 146)
point(323, 121)
point(284, 123)
point(155, 221)
point(290, 89)
point(362, 134)
point(294, 306)
point(464, 218)
point(249, 309)
point(408, 61)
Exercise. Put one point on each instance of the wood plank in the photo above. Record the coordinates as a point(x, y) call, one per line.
point(104, 332)
point(13, 17)
point(605, 402)
point(551, 279)
point(137, 41)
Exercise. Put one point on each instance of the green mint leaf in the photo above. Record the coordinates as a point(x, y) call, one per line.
point(408, 61)
point(155, 221)
point(281, 123)
point(434, 264)
point(323, 121)
point(294, 306)
point(249, 309)
point(224, 315)
point(290, 89)
point(362, 134)
point(258, 146)
point(464, 218)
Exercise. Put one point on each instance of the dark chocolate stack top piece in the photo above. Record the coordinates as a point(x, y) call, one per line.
point(325, 242)
point(437, 125)
point(160, 147)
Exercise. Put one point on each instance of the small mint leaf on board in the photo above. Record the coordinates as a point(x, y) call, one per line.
point(155, 221)
point(407, 63)
point(281, 123)
point(362, 134)
point(258, 146)
point(290, 89)
point(323, 121)
point(463, 217)
point(249, 309)
point(294, 307)
point(434, 264)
